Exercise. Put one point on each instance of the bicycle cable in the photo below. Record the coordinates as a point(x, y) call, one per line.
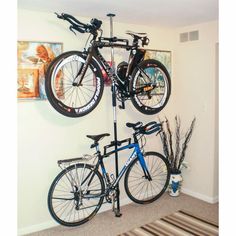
point(85, 46)
point(142, 139)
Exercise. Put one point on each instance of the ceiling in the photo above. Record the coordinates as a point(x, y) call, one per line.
point(166, 13)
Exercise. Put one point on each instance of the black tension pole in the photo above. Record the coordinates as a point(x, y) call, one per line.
point(113, 89)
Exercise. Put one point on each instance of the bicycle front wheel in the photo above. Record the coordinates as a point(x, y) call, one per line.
point(75, 195)
point(65, 92)
point(150, 87)
point(141, 190)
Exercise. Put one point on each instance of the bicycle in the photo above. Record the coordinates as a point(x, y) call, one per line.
point(79, 190)
point(74, 80)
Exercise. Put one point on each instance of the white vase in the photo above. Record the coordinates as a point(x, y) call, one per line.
point(175, 184)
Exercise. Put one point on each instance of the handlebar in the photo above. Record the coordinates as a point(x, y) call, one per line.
point(147, 129)
point(92, 28)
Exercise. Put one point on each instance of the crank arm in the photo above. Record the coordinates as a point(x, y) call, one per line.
point(144, 89)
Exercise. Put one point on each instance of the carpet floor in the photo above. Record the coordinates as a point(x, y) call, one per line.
point(180, 223)
point(135, 215)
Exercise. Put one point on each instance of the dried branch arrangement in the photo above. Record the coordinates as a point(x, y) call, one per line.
point(174, 141)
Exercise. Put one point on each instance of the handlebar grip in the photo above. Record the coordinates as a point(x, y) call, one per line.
point(69, 18)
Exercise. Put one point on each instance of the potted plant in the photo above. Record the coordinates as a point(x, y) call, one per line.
point(174, 147)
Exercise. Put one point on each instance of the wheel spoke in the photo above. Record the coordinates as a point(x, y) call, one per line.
point(66, 201)
point(150, 73)
point(64, 90)
point(142, 190)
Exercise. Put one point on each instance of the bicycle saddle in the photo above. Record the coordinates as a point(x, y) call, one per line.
point(96, 138)
point(133, 34)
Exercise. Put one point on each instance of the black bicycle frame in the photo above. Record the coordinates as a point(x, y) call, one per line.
point(136, 55)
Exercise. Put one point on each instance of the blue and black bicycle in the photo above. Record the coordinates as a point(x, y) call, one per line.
point(83, 185)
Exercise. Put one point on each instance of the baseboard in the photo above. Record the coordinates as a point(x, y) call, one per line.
point(200, 196)
point(37, 227)
point(52, 223)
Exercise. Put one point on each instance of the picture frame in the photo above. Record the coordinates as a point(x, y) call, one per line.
point(163, 56)
point(33, 59)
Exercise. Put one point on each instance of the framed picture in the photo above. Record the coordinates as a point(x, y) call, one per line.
point(33, 59)
point(163, 56)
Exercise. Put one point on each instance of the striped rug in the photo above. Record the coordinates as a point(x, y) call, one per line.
point(180, 223)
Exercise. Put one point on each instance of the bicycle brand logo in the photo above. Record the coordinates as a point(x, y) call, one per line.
point(84, 109)
point(107, 68)
point(130, 159)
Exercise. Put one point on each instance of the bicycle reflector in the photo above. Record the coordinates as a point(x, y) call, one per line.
point(145, 41)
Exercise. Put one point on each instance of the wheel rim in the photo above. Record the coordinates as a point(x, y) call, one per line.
point(155, 98)
point(66, 207)
point(140, 188)
point(71, 95)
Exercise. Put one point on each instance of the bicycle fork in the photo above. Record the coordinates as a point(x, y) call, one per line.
point(81, 72)
point(144, 166)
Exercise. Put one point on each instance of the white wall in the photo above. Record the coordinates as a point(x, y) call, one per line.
point(197, 95)
point(44, 136)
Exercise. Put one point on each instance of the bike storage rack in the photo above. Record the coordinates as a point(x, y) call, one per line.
point(114, 105)
point(112, 193)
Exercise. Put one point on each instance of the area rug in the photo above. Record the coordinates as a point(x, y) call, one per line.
point(180, 223)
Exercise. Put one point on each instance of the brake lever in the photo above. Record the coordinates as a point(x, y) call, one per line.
point(71, 29)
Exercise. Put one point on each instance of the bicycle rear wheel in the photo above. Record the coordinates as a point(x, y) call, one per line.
point(150, 87)
point(68, 200)
point(141, 190)
point(65, 93)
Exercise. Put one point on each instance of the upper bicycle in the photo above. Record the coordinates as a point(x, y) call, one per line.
point(75, 80)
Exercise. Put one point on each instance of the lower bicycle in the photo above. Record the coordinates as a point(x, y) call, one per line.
point(79, 190)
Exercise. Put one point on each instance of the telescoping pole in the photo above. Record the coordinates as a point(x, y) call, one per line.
point(113, 89)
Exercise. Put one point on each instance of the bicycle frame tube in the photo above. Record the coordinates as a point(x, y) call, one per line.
point(93, 53)
point(108, 69)
point(135, 154)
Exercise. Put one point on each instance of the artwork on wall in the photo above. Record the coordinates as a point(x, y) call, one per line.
point(163, 56)
point(33, 59)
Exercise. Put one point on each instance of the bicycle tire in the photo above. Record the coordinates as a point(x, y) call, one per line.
point(152, 101)
point(138, 188)
point(63, 90)
point(62, 198)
